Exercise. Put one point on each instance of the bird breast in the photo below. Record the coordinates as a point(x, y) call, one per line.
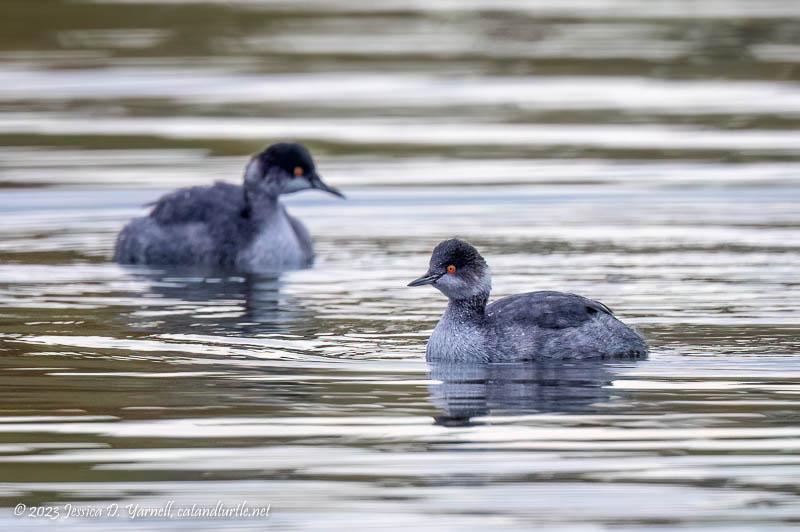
point(275, 247)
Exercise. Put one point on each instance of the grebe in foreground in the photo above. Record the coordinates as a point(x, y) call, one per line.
point(528, 326)
point(245, 228)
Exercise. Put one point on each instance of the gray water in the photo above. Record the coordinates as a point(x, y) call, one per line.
point(644, 154)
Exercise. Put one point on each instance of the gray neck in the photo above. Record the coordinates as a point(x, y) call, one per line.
point(260, 191)
point(468, 309)
point(258, 206)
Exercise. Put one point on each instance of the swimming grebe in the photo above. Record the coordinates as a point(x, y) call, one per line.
point(520, 327)
point(245, 228)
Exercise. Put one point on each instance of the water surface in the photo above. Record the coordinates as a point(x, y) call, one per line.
point(642, 155)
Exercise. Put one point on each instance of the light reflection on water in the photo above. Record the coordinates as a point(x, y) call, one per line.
point(638, 154)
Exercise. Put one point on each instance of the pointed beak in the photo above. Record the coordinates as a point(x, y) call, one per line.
point(316, 182)
point(428, 278)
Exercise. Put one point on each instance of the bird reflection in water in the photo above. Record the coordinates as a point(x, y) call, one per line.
point(466, 391)
point(180, 300)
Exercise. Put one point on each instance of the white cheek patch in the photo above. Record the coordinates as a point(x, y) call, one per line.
point(448, 281)
point(449, 285)
point(253, 172)
point(295, 184)
point(486, 279)
point(453, 286)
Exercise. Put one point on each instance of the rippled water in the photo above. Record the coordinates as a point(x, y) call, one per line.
point(643, 154)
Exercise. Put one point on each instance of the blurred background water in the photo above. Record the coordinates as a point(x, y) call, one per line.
point(645, 154)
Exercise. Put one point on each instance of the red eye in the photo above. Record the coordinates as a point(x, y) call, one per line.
point(451, 269)
point(298, 171)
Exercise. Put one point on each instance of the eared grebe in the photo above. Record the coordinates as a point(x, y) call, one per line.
point(528, 326)
point(245, 228)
